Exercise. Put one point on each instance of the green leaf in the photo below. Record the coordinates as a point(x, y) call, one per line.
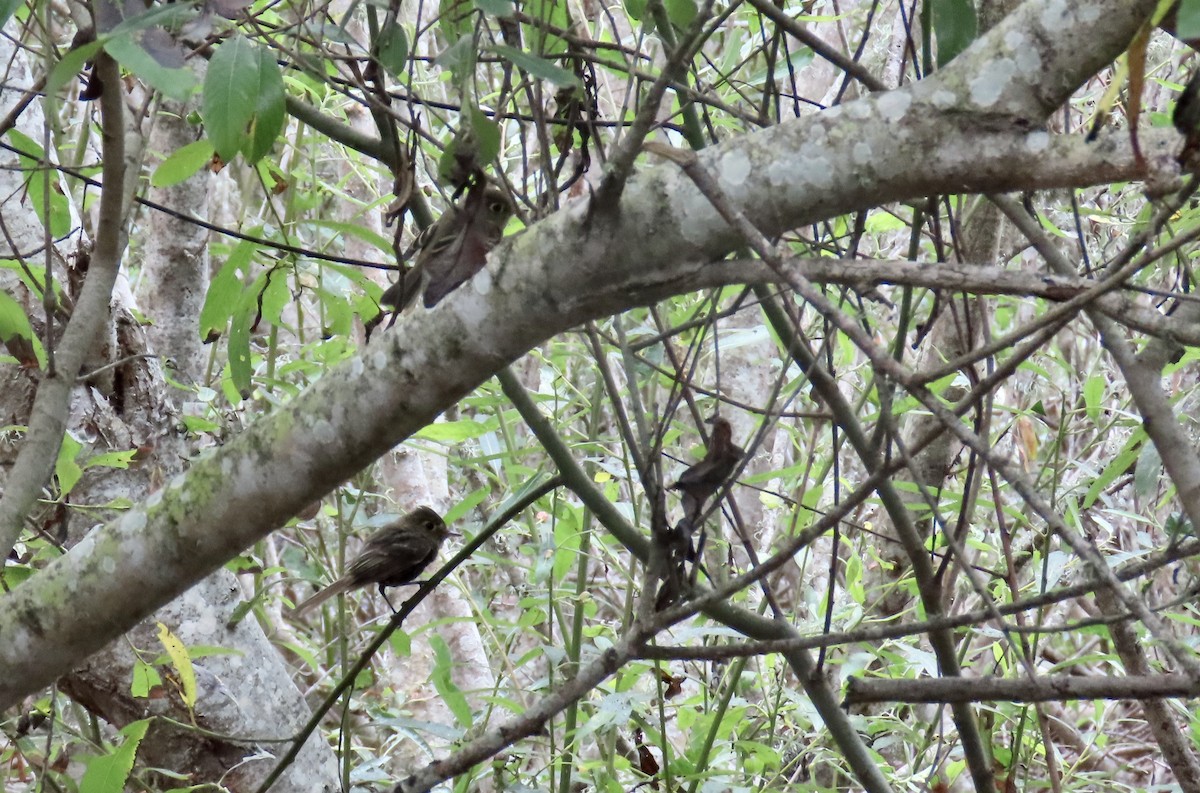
point(182, 164)
point(1093, 397)
point(244, 608)
point(1177, 527)
point(455, 18)
point(450, 693)
point(1119, 466)
point(496, 8)
point(70, 65)
point(239, 343)
point(537, 67)
point(229, 98)
point(120, 459)
point(393, 50)
point(304, 652)
point(476, 144)
point(459, 57)
point(568, 538)
point(401, 643)
point(225, 290)
point(65, 467)
point(467, 503)
point(486, 132)
point(176, 82)
point(881, 222)
point(338, 321)
point(17, 574)
point(555, 13)
point(1187, 19)
point(680, 12)
point(955, 26)
point(145, 678)
point(854, 579)
point(452, 431)
point(1148, 472)
point(211, 651)
point(270, 109)
point(32, 158)
point(33, 280)
point(7, 9)
point(636, 9)
point(109, 773)
point(344, 229)
point(16, 330)
point(276, 295)
point(196, 425)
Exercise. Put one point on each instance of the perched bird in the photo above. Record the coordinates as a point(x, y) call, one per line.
point(454, 248)
point(395, 555)
point(701, 481)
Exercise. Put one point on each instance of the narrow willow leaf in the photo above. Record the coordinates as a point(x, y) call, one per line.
point(535, 66)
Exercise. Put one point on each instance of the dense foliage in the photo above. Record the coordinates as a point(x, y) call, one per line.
point(958, 415)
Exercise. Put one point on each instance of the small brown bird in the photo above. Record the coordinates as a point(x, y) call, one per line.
point(701, 481)
point(395, 555)
point(454, 248)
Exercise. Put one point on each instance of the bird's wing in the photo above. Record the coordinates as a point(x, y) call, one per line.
point(460, 260)
point(392, 559)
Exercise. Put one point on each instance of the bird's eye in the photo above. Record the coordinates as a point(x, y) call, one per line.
point(498, 207)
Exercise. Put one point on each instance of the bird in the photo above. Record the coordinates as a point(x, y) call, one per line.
point(454, 248)
point(394, 555)
point(701, 481)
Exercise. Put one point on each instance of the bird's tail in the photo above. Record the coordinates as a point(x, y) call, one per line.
point(336, 588)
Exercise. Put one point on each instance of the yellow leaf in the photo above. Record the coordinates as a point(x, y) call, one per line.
point(182, 663)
